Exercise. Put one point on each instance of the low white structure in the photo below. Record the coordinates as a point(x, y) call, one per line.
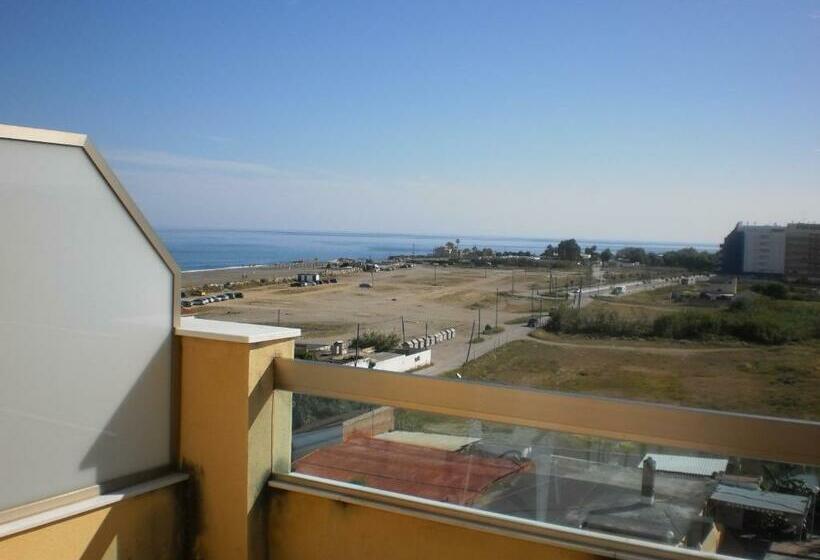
point(308, 277)
point(686, 465)
point(389, 361)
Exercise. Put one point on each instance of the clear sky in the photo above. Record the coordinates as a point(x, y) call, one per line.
point(665, 120)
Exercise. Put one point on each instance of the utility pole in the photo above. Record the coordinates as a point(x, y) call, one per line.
point(479, 320)
point(357, 345)
point(278, 317)
point(435, 271)
point(403, 338)
point(470, 344)
point(425, 329)
point(552, 289)
point(496, 309)
point(513, 283)
point(580, 291)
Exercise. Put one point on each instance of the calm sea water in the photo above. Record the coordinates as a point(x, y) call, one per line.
point(206, 249)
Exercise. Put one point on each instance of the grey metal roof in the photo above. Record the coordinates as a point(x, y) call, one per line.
point(685, 464)
point(760, 500)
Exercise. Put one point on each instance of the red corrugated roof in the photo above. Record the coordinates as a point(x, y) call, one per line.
point(445, 476)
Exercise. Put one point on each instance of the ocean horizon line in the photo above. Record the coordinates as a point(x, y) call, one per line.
point(547, 239)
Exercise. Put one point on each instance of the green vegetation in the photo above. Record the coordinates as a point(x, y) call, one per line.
point(383, 342)
point(775, 290)
point(489, 329)
point(755, 320)
point(688, 258)
point(774, 380)
point(779, 290)
point(308, 409)
point(569, 250)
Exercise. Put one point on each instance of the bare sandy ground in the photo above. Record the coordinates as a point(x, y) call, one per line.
point(242, 274)
point(329, 312)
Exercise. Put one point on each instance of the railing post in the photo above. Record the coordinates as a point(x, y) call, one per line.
point(282, 431)
point(227, 431)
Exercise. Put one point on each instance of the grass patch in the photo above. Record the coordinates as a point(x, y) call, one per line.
point(779, 380)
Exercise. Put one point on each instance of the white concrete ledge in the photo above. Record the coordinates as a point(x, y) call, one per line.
point(84, 506)
point(233, 332)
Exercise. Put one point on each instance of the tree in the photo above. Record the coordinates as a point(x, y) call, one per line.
point(632, 254)
point(606, 255)
point(691, 259)
point(569, 250)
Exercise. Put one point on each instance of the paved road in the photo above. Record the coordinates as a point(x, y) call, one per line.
point(305, 442)
point(457, 354)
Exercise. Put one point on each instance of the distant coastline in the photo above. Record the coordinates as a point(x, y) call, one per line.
point(207, 250)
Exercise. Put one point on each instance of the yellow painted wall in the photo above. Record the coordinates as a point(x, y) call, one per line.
point(226, 438)
point(144, 527)
point(304, 527)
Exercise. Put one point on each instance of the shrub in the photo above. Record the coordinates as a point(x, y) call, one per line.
point(774, 290)
point(594, 321)
point(759, 321)
point(383, 342)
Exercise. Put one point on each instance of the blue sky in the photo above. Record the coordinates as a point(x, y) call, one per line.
point(631, 120)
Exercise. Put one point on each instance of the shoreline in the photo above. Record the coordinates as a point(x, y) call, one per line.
point(250, 273)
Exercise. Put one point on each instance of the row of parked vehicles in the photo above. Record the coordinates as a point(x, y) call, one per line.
point(204, 300)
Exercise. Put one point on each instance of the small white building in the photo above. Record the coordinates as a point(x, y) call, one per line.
point(390, 361)
point(308, 277)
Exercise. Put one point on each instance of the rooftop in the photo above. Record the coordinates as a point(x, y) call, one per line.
point(686, 464)
point(760, 500)
point(419, 471)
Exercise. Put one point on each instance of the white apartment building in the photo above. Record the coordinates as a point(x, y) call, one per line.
point(764, 249)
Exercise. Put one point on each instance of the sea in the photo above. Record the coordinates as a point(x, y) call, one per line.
point(207, 249)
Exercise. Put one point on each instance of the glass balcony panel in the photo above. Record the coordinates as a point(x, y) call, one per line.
point(662, 495)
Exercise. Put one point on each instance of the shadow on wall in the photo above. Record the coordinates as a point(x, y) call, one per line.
point(115, 454)
point(146, 527)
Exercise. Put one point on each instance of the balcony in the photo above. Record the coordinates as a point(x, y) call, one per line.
point(187, 449)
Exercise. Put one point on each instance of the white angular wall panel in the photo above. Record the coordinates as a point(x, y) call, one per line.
point(86, 314)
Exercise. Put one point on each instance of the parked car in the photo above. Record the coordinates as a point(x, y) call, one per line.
point(238, 295)
point(333, 281)
point(365, 285)
point(186, 303)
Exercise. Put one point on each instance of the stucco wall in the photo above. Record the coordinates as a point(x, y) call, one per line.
point(304, 527)
point(143, 527)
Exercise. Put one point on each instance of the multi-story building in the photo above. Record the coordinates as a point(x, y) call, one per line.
point(754, 250)
point(731, 251)
point(803, 252)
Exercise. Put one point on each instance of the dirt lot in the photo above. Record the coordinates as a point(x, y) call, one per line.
point(331, 311)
